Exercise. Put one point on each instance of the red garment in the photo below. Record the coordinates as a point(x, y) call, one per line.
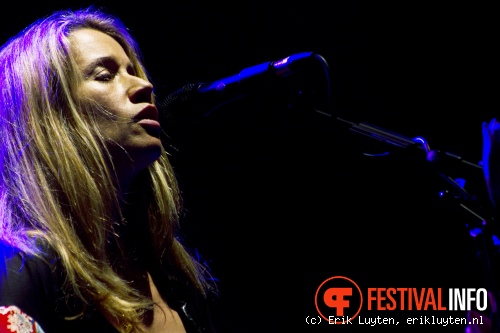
point(13, 320)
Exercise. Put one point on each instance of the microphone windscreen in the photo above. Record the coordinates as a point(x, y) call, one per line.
point(181, 95)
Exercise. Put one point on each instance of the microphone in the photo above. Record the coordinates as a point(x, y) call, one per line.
point(252, 80)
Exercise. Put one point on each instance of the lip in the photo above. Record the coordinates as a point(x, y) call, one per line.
point(149, 122)
point(148, 118)
point(150, 112)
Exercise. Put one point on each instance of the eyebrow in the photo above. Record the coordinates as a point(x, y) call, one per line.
point(105, 61)
point(89, 68)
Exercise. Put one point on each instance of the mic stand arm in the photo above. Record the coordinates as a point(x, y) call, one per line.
point(399, 140)
point(380, 134)
point(481, 232)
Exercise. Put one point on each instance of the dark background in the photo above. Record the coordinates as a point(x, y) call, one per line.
point(278, 197)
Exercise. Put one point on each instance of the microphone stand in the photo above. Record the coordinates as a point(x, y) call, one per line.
point(483, 232)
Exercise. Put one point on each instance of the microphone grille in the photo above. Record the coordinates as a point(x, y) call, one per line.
point(181, 95)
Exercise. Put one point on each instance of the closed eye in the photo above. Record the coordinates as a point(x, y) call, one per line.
point(103, 69)
point(105, 75)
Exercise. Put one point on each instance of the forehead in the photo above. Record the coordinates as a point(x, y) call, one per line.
point(89, 44)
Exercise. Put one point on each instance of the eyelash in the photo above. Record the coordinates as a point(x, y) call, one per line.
point(105, 76)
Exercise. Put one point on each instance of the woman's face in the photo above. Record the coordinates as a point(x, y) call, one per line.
point(131, 130)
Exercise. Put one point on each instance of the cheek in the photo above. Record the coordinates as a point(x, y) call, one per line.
point(113, 130)
point(103, 96)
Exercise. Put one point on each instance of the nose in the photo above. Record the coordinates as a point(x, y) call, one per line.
point(140, 90)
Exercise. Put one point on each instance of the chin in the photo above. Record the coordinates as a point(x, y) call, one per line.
point(150, 154)
point(137, 159)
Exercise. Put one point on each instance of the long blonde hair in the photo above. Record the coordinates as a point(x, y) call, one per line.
point(56, 183)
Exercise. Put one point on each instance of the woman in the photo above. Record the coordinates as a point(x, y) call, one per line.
point(89, 204)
